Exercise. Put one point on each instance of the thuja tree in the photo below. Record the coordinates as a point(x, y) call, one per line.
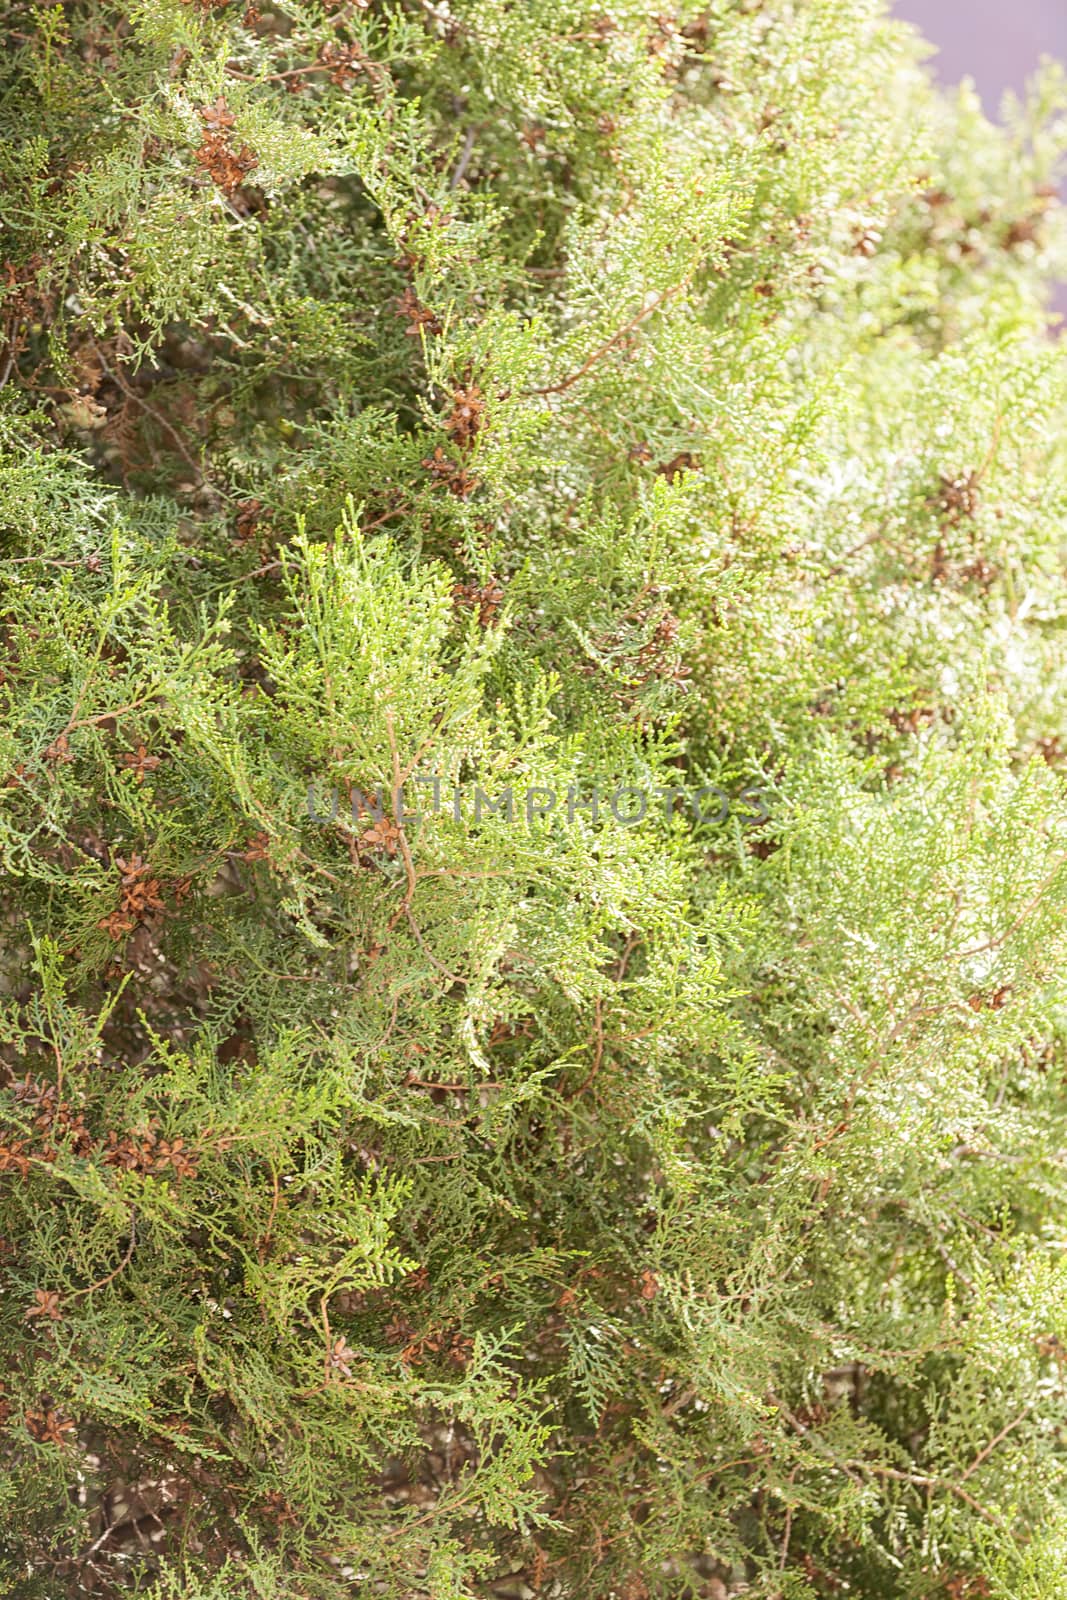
point(416, 407)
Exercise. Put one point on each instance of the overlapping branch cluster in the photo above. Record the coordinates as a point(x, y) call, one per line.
point(554, 398)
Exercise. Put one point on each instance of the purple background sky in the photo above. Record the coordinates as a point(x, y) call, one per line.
point(998, 43)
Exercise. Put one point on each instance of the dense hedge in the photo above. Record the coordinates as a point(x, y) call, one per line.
point(534, 1198)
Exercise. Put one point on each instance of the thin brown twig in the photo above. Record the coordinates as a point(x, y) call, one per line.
point(1035, 899)
point(264, 1243)
point(783, 1555)
point(453, 977)
point(957, 1272)
point(329, 1336)
point(11, 339)
point(917, 1480)
point(106, 716)
point(609, 344)
point(598, 1052)
point(44, 561)
point(983, 1455)
point(922, 1480)
point(632, 941)
point(428, 1083)
point(405, 848)
point(260, 572)
point(102, 1283)
point(464, 159)
point(872, 538)
point(157, 416)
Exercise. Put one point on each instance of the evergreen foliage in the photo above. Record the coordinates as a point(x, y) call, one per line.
point(552, 395)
